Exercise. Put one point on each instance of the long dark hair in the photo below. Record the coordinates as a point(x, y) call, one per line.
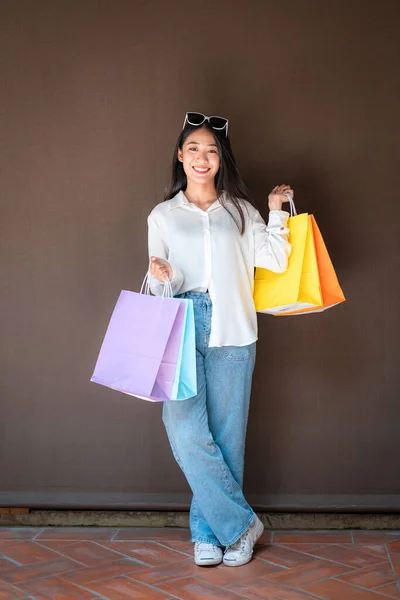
point(227, 179)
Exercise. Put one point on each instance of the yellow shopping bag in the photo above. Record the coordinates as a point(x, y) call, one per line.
point(309, 284)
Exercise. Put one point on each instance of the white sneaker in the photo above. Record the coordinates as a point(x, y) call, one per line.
point(241, 551)
point(207, 554)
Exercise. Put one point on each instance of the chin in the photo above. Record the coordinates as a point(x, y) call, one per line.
point(202, 180)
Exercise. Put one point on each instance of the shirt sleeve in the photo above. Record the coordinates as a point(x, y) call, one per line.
point(272, 248)
point(158, 248)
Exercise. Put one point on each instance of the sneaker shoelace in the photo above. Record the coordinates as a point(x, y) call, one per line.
point(240, 544)
point(205, 546)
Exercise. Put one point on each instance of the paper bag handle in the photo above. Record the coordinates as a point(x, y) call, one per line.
point(167, 290)
point(293, 211)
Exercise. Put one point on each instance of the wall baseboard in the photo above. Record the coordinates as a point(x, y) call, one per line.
point(63, 498)
point(126, 509)
point(169, 519)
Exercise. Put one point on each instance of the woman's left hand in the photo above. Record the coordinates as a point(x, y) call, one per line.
point(277, 197)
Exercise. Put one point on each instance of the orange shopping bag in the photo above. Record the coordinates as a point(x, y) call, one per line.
point(310, 283)
point(331, 291)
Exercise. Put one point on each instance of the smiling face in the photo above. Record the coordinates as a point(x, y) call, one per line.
point(200, 158)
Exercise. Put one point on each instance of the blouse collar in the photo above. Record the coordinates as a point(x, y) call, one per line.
point(181, 200)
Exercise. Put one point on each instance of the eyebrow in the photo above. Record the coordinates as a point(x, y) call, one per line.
point(198, 143)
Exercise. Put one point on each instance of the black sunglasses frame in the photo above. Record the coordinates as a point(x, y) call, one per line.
point(203, 119)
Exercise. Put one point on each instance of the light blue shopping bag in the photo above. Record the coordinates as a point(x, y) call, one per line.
point(185, 381)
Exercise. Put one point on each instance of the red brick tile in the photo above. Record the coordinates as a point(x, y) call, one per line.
point(5, 565)
point(395, 558)
point(56, 557)
point(303, 574)
point(36, 570)
point(153, 533)
point(229, 577)
point(19, 533)
point(280, 555)
point(9, 592)
point(348, 555)
point(57, 545)
point(86, 575)
point(151, 553)
point(337, 590)
point(392, 590)
point(175, 570)
point(178, 545)
point(375, 549)
point(27, 553)
point(51, 588)
point(260, 588)
point(371, 577)
point(122, 588)
point(313, 537)
point(192, 588)
point(89, 553)
point(265, 538)
point(375, 537)
point(308, 548)
point(184, 547)
point(77, 533)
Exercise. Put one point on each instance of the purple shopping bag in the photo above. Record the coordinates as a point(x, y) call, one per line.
point(141, 346)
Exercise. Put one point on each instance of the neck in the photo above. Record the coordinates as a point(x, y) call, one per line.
point(202, 195)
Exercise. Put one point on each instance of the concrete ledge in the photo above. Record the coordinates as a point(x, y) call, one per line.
point(89, 518)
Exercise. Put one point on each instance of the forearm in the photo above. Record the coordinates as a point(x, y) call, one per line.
point(272, 247)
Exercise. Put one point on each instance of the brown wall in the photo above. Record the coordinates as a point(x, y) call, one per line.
point(94, 95)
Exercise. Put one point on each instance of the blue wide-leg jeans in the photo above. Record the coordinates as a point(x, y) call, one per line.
point(207, 433)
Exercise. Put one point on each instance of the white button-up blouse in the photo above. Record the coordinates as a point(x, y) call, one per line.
point(207, 252)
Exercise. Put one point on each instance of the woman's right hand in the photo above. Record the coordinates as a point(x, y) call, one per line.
point(160, 269)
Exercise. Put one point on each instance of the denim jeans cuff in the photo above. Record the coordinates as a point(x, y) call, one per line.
point(243, 530)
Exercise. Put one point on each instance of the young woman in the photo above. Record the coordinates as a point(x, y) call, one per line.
point(207, 238)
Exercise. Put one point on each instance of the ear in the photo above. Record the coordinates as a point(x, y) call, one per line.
point(180, 154)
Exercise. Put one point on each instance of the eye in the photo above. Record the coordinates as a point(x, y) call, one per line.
point(214, 151)
point(193, 148)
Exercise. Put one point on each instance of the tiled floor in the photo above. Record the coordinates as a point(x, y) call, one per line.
point(116, 564)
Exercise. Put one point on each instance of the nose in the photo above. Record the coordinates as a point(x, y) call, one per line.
point(202, 158)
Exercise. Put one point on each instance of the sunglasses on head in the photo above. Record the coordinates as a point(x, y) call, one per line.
point(196, 119)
